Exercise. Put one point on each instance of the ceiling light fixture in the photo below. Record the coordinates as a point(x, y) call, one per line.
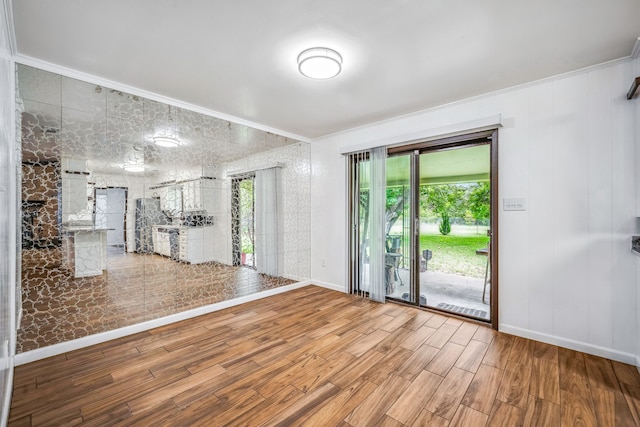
point(166, 141)
point(319, 63)
point(132, 167)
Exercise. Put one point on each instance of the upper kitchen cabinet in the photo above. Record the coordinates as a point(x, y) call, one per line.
point(198, 195)
point(170, 196)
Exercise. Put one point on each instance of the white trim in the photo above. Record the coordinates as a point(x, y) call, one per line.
point(584, 347)
point(243, 171)
point(331, 286)
point(480, 96)
point(69, 72)
point(67, 346)
point(296, 278)
point(484, 123)
point(11, 32)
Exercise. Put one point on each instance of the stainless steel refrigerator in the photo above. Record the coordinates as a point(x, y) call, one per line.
point(148, 213)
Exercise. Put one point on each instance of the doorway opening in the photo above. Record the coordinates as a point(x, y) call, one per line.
point(440, 225)
point(243, 221)
point(111, 213)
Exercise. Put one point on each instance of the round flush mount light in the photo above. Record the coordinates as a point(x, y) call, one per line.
point(133, 167)
point(319, 63)
point(166, 141)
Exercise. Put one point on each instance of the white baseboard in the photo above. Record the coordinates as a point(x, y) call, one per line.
point(296, 278)
point(331, 286)
point(67, 346)
point(596, 350)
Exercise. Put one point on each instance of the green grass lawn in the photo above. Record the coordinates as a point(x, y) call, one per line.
point(455, 253)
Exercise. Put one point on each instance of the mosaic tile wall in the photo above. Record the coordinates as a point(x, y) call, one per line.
point(78, 137)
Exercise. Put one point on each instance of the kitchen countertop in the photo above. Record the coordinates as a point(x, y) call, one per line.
point(76, 228)
point(180, 227)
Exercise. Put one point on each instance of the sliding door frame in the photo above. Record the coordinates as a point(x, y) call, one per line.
point(414, 148)
point(459, 141)
point(353, 223)
point(236, 214)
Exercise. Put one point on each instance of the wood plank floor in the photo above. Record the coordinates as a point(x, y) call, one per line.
point(316, 357)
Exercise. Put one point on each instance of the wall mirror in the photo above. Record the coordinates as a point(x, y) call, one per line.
point(128, 209)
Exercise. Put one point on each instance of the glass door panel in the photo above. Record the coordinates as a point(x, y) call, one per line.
point(398, 265)
point(454, 217)
point(247, 216)
point(243, 221)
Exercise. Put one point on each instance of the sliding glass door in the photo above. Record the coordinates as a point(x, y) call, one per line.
point(438, 219)
point(371, 267)
point(243, 221)
point(398, 229)
point(454, 218)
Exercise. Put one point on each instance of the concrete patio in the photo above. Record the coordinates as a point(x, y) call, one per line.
point(451, 292)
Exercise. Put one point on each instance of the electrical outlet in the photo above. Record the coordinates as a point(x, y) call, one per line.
point(514, 204)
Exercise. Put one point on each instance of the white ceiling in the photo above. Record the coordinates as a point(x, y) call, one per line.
point(400, 56)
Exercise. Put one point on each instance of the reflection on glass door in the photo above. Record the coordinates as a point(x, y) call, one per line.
point(243, 221)
point(398, 229)
point(454, 218)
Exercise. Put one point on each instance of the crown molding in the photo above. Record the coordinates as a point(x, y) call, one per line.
point(7, 5)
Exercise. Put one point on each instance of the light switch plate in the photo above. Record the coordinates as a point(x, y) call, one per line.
point(514, 204)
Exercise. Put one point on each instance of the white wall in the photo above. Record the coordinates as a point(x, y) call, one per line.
point(566, 272)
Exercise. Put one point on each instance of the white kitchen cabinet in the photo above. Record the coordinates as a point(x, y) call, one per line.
point(161, 242)
point(174, 200)
point(75, 198)
point(198, 195)
point(192, 196)
point(76, 192)
point(208, 192)
point(196, 244)
point(170, 198)
point(161, 193)
point(85, 250)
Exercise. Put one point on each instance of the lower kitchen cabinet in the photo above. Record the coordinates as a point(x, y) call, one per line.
point(196, 244)
point(85, 250)
point(161, 242)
